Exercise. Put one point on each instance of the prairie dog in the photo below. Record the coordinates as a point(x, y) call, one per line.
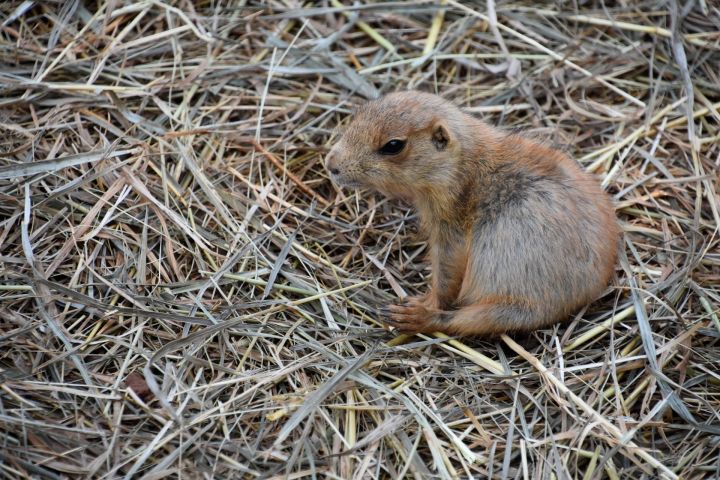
point(519, 235)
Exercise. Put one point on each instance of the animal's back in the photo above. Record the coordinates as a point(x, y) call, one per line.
point(544, 238)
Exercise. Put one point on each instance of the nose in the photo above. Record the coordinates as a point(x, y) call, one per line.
point(331, 162)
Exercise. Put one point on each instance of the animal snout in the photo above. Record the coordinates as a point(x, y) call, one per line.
point(331, 162)
point(342, 172)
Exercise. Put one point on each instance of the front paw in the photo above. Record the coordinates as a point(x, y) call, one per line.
point(411, 316)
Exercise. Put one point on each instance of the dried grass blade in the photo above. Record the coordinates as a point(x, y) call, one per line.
point(49, 166)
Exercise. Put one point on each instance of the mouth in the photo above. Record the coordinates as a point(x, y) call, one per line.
point(345, 182)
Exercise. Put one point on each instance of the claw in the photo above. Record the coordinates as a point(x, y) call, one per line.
point(393, 310)
point(390, 321)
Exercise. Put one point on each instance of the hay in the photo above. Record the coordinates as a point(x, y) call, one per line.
point(185, 294)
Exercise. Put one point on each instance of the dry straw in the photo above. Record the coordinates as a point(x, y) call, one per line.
point(184, 294)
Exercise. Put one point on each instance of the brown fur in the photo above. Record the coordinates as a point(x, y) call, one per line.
point(520, 237)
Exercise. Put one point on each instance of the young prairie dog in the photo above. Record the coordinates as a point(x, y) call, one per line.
point(519, 236)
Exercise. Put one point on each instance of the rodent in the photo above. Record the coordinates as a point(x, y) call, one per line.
point(519, 235)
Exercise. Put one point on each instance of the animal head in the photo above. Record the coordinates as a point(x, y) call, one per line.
point(397, 144)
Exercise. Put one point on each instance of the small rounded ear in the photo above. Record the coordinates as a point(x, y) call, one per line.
point(440, 136)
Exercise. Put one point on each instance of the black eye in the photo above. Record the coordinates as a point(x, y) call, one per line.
point(393, 147)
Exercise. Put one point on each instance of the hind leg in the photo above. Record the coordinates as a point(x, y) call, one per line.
point(492, 318)
point(484, 318)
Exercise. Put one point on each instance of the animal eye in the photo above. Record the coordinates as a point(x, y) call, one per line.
point(393, 147)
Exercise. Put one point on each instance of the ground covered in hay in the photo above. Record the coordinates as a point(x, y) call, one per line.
point(184, 294)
